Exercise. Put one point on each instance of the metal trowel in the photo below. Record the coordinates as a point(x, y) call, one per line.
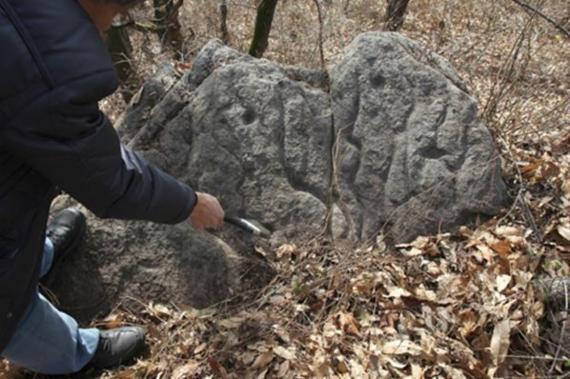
point(250, 226)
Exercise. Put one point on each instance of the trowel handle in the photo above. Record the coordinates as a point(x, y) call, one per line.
point(243, 224)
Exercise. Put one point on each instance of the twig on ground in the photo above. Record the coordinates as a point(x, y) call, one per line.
point(520, 195)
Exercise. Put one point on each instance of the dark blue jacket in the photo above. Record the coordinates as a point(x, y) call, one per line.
point(54, 68)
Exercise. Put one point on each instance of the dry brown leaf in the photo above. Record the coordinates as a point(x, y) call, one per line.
point(186, 371)
point(400, 347)
point(277, 300)
point(231, 323)
point(321, 370)
point(417, 372)
point(248, 357)
point(288, 354)
point(530, 169)
point(502, 247)
point(539, 170)
point(500, 343)
point(263, 374)
point(125, 374)
point(342, 367)
point(564, 231)
point(503, 282)
point(263, 360)
point(347, 323)
point(508, 231)
point(112, 321)
point(422, 293)
point(217, 368)
point(413, 252)
point(282, 334)
point(397, 292)
point(200, 348)
point(486, 252)
point(184, 66)
point(566, 188)
point(453, 372)
point(284, 369)
point(356, 369)
point(285, 251)
point(160, 310)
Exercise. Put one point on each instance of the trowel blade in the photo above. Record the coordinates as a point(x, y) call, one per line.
point(249, 225)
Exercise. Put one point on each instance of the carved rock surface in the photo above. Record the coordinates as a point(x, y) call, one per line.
point(391, 143)
point(414, 157)
point(244, 130)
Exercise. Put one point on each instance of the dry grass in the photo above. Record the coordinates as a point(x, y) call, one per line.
point(341, 322)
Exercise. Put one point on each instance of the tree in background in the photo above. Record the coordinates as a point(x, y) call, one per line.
point(225, 34)
point(395, 14)
point(263, 22)
point(167, 23)
point(120, 49)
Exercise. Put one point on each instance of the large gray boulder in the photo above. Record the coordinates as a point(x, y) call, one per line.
point(413, 156)
point(248, 131)
point(391, 143)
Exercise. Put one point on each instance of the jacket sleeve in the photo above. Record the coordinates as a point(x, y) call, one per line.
point(65, 137)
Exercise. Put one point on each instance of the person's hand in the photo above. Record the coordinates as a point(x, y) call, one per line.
point(207, 213)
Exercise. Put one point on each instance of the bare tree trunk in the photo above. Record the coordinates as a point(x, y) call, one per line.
point(395, 14)
point(224, 22)
point(263, 21)
point(120, 49)
point(321, 26)
point(169, 29)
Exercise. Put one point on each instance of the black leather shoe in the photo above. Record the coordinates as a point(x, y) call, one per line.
point(118, 347)
point(66, 231)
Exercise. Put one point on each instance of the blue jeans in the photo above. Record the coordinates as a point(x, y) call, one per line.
point(48, 341)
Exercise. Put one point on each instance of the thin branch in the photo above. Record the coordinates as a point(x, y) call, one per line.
point(563, 331)
point(542, 15)
point(321, 26)
point(520, 198)
point(224, 22)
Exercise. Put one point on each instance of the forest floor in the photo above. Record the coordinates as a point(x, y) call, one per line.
point(461, 305)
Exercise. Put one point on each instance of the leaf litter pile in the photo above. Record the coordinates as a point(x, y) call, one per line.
point(472, 304)
point(461, 306)
point(477, 303)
